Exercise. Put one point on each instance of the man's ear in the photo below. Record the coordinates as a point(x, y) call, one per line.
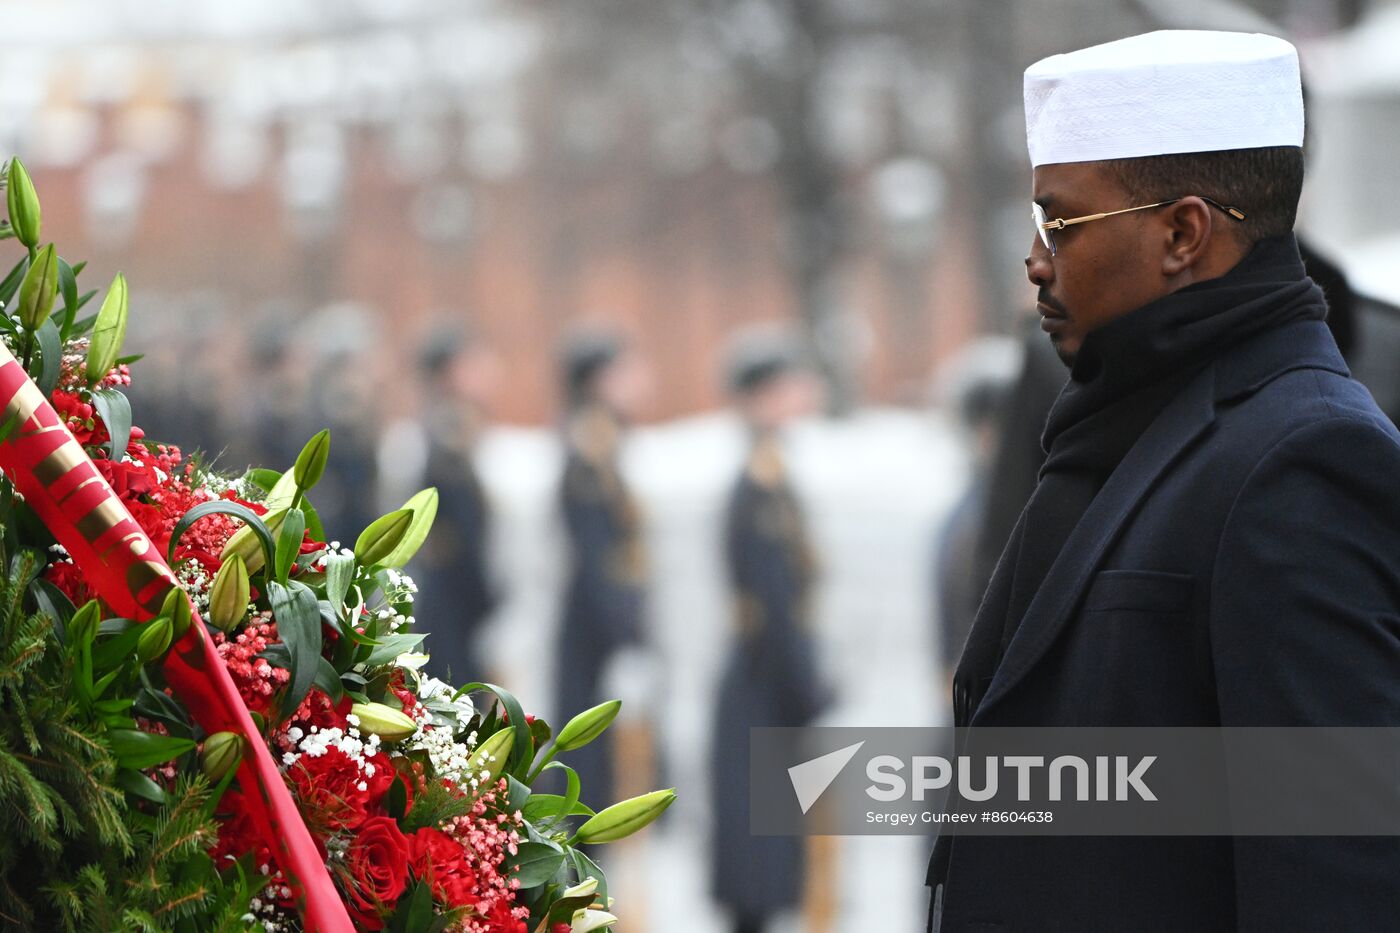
point(1189, 228)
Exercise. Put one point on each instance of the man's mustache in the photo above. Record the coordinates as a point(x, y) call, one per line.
point(1045, 298)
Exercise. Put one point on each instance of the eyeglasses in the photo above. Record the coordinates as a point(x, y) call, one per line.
point(1043, 225)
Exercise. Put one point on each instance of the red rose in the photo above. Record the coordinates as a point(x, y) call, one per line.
point(440, 860)
point(378, 862)
point(126, 479)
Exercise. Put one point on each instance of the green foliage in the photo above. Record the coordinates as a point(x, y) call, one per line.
point(58, 796)
point(170, 884)
point(80, 849)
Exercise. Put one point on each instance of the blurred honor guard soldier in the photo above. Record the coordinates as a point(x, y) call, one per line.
point(456, 595)
point(1215, 537)
point(771, 677)
point(604, 599)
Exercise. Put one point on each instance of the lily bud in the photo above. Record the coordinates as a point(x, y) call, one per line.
point(39, 289)
point(586, 726)
point(177, 608)
point(383, 535)
point(384, 721)
point(491, 755)
point(311, 463)
point(246, 544)
point(23, 204)
point(108, 331)
point(228, 597)
point(82, 628)
point(623, 819)
point(424, 504)
point(221, 753)
point(155, 638)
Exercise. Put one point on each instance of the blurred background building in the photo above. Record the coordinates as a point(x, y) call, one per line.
point(301, 192)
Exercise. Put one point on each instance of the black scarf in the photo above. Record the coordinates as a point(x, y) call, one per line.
point(1126, 373)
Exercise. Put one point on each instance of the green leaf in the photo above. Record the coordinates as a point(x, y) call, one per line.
point(517, 793)
point(585, 893)
point(115, 410)
point(569, 804)
point(299, 623)
point(425, 506)
point(10, 284)
point(585, 867)
point(396, 798)
point(551, 807)
point(523, 752)
point(113, 652)
point(137, 784)
point(140, 750)
point(340, 571)
point(415, 910)
point(328, 680)
point(263, 478)
point(68, 288)
point(289, 543)
point(537, 862)
point(7, 428)
point(223, 507)
point(282, 493)
point(51, 357)
point(157, 705)
point(52, 601)
point(313, 520)
point(390, 647)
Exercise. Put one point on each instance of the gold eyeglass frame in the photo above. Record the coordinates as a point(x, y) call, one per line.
point(1044, 225)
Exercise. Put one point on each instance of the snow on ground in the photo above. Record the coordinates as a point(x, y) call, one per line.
point(876, 487)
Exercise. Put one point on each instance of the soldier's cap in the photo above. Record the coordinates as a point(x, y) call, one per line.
point(584, 354)
point(754, 359)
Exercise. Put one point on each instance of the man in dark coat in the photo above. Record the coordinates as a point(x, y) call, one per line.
point(604, 598)
point(1215, 537)
point(770, 677)
point(1367, 332)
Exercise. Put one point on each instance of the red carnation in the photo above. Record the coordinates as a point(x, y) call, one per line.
point(442, 861)
point(500, 918)
point(378, 861)
point(332, 790)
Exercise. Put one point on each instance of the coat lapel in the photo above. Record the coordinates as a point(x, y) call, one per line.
point(1189, 414)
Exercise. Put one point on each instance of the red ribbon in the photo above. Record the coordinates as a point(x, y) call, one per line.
point(61, 485)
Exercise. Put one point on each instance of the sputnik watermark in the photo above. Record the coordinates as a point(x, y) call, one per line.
point(1076, 781)
point(1114, 778)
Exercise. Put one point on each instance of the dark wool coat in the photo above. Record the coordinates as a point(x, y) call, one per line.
point(1241, 567)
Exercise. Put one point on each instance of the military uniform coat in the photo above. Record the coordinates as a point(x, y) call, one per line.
point(770, 679)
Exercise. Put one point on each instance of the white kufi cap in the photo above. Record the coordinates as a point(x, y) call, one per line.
point(1164, 92)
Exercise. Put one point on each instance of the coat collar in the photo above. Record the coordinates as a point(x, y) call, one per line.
point(1240, 372)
